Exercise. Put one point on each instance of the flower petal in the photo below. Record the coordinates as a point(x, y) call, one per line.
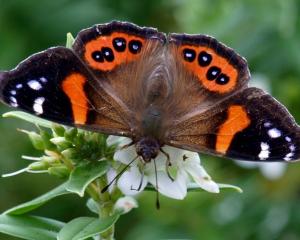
point(174, 189)
point(120, 141)
point(111, 174)
point(201, 177)
point(125, 155)
point(130, 180)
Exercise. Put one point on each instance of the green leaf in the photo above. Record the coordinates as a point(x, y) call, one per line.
point(83, 175)
point(30, 227)
point(39, 201)
point(85, 227)
point(29, 118)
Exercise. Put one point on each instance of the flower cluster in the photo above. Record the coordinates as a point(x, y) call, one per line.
point(185, 168)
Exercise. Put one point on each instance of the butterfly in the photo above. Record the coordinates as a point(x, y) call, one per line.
point(186, 91)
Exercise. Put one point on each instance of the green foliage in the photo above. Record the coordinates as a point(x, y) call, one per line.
point(85, 227)
point(39, 201)
point(30, 227)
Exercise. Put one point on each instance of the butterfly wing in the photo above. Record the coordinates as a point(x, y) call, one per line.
point(124, 56)
point(88, 85)
point(223, 116)
point(55, 85)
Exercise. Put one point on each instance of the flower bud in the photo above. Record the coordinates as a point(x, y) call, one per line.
point(61, 142)
point(70, 134)
point(36, 140)
point(58, 130)
point(59, 171)
point(38, 166)
point(125, 204)
point(69, 153)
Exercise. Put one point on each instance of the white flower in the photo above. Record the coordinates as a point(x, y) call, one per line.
point(186, 168)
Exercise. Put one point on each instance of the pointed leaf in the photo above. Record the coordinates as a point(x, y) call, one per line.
point(83, 175)
point(29, 118)
point(85, 227)
point(30, 227)
point(39, 201)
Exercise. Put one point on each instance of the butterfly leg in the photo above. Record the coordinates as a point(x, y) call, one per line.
point(141, 181)
point(168, 163)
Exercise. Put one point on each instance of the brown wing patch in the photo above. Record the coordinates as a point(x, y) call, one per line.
point(237, 120)
point(107, 52)
point(73, 87)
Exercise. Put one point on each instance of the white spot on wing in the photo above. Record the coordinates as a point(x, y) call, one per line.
point(35, 85)
point(43, 79)
point(292, 148)
point(13, 102)
point(38, 105)
point(13, 92)
point(264, 153)
point(267, 124)
point(288, 157)
point(19, 85)
point(274, 133)
point(288, 139)
point(291, 154)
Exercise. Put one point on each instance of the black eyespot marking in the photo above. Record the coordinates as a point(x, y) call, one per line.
point(119, 44)
point(189, 55)
point(98, 56)
point(108, 54)
point(222, 79)
point(204, 59)
point(213, 73)
point(135, 46)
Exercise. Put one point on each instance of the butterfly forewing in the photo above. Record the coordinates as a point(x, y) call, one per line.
point(55, 85)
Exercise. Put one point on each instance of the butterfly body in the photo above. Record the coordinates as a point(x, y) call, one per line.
point(187, 91)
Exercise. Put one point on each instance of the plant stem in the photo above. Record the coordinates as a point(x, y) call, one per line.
point(105, 208)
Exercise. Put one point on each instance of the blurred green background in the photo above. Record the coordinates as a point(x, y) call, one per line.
point(266, 32)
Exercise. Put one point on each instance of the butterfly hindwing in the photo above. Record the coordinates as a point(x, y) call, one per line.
point(250, 125)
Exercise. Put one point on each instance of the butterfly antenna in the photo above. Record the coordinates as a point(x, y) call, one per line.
point(118, 175)
point(156, 183)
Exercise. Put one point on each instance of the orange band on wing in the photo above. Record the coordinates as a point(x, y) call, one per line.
point(73, 87)
point(236, 121)
point(218, 61)
point(106, 41)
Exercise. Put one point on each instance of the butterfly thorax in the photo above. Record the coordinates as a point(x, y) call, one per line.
point(148, 144)
point(148, 148)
